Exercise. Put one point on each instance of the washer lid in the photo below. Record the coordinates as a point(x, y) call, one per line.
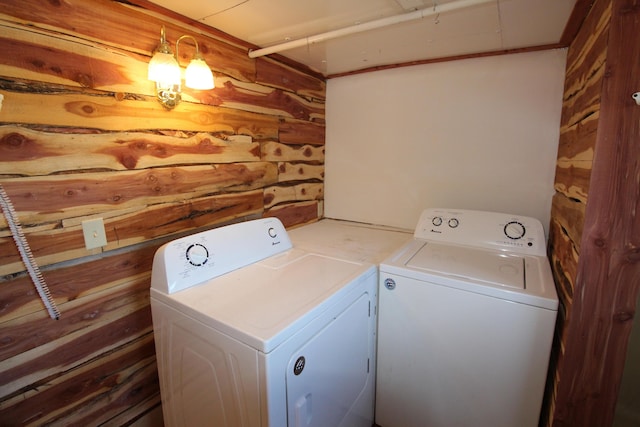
point(471, 263)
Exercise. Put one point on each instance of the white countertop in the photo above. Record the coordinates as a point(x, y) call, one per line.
point(349, 240)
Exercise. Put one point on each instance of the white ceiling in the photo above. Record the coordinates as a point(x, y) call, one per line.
point(491, 26)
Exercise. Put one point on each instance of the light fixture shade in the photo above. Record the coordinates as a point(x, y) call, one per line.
point(164, 68)
point(198, 75)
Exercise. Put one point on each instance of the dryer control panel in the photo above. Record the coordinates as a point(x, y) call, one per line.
point(491, 230)
point(191, 260)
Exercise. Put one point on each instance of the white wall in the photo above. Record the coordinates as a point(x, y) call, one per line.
point(478, 133)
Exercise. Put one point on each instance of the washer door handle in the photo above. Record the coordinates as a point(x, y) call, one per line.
point(390, 284)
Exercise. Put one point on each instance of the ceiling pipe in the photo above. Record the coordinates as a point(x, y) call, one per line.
point(371, 25)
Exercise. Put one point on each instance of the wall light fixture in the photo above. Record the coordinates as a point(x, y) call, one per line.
point(164, 69)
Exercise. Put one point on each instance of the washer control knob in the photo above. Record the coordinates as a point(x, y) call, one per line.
point(272, 232)
point(197, 255)
point(437, 221)
point(453, 222)
point(514, 230)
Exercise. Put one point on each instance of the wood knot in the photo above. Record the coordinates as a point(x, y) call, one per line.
point(13, 140)
point(84, 80)
point(633, 255)
point(88, 109)
point(38, 63)
point(623, 316)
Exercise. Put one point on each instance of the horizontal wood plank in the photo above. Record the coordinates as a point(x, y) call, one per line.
point(72, 284)
point(291, 172)
point(26, 151)
point(578, 141)
point(295, 214)
point(572, 180)
point(29, 54)
point(285, 194)
point(261, 99)
point(276, 74)
point(276, 152)
point(55, 197)
point(110, 113)
point(299, 133)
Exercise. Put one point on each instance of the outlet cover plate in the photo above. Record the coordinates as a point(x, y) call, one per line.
point(94, 234)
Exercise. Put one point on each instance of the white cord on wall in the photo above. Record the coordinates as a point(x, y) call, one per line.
point(27, 257)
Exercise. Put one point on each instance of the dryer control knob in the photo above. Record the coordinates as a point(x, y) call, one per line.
point(437, 221)
point(454, 222)
point(514, 230)
point(197, 254)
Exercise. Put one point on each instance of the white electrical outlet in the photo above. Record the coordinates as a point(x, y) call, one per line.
point(94, 234)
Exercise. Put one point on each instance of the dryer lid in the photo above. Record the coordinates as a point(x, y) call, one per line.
point(265, 303)
point(473, 264)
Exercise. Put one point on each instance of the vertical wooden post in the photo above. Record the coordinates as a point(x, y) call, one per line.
point(608, 275)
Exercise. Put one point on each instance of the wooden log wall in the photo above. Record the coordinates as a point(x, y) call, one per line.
point(585, 68)
point(81, 137)
point(595, 232)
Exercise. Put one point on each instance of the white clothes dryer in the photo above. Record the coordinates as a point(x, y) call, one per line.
point(466, 319)
point(252, 332)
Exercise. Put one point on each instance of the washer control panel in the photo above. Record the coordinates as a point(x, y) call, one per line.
point(491, 230)
point(191, 260)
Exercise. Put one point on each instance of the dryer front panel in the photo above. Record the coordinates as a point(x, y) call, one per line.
point(330, 379)
point(206, 378)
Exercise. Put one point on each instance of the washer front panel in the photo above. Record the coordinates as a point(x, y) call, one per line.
point(447, 357)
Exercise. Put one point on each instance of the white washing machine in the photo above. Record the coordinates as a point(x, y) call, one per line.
point(253, 332)
point(466, 320)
